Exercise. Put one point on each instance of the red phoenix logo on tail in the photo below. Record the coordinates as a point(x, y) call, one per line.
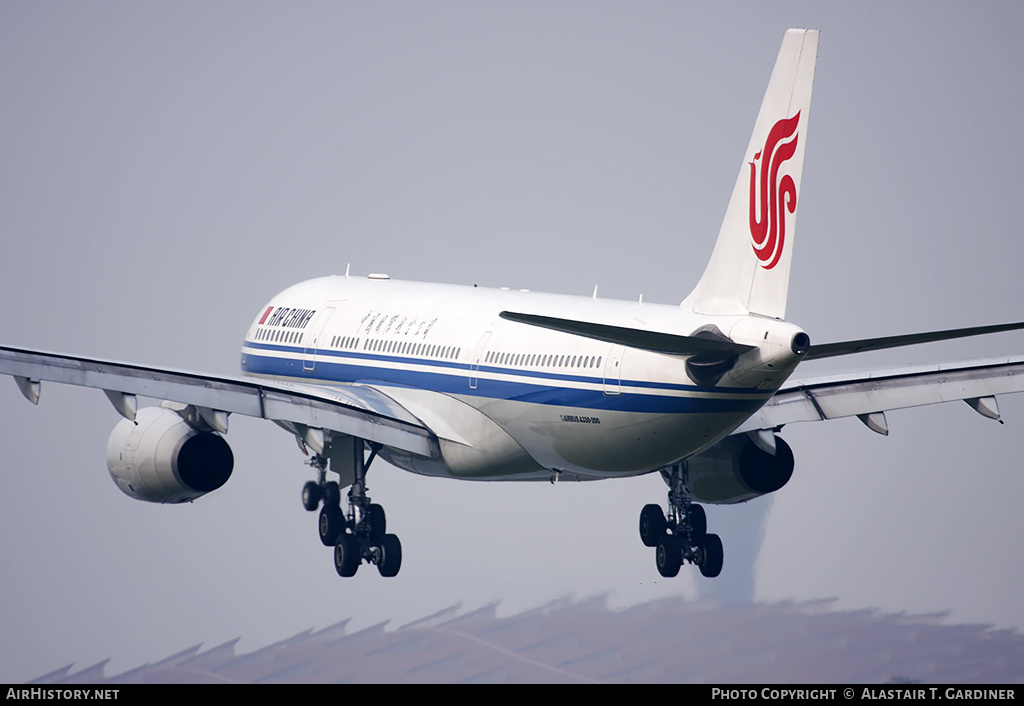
point(768, 223)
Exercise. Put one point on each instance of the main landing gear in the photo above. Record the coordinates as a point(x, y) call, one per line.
point(360, 534)
point(683, 535)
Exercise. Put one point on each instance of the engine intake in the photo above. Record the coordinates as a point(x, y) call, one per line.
point(161, 459)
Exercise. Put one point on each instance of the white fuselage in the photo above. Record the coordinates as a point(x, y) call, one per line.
point(508, 400)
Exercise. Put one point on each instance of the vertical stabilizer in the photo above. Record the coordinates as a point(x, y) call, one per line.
point(749, 268)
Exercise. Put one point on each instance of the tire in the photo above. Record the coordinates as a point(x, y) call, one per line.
point(332, 493)
point(712, 556)
point(391, 556)
point(698, 520)
point(331, 525)
point(311, 495)
point(652, 525)
point(378, 523)
point(346, 555)
point(668, 556)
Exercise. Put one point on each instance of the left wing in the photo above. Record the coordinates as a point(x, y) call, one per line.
point(354, 410)
point(869, 396)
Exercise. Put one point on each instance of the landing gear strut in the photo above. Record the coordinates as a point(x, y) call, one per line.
point(683, 535)
point(361, 533)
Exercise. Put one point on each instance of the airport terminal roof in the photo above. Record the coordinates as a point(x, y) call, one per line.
point(568, 641)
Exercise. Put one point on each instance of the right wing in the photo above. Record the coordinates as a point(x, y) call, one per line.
point(869, 395)
point(351, 409)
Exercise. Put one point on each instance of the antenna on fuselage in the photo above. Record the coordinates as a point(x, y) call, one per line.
point(348, 265)
point(595, 292)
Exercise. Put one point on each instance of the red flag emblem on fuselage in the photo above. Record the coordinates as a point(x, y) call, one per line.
point(770, 195)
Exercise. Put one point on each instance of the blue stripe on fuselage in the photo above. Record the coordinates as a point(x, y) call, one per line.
point(453, 378)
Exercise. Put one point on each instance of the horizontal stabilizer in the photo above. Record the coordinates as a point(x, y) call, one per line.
point(669, 343)
point(830, 350)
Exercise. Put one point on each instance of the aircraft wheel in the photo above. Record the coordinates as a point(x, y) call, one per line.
point(668, 556)
point(698, 523)
point(390, 556)
point(378, 523)
point(346, 555)
point(652, 525)
point(332, 493)
point(712, 556)
point(332, 524)
point(311, 495)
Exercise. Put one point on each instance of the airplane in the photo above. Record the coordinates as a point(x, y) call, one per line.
point(474, 383)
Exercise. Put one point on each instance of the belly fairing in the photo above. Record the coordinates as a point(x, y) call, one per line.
point(607, 443)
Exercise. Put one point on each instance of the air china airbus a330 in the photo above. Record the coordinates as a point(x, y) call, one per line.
point(486, 384)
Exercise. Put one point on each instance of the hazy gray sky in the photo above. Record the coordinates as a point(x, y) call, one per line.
point(167, 167)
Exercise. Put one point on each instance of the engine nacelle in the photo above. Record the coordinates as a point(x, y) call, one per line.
point(736, 469)
point(161, 459)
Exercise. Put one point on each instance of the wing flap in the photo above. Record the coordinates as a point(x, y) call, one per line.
point(845, 396)
point(354, 410)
